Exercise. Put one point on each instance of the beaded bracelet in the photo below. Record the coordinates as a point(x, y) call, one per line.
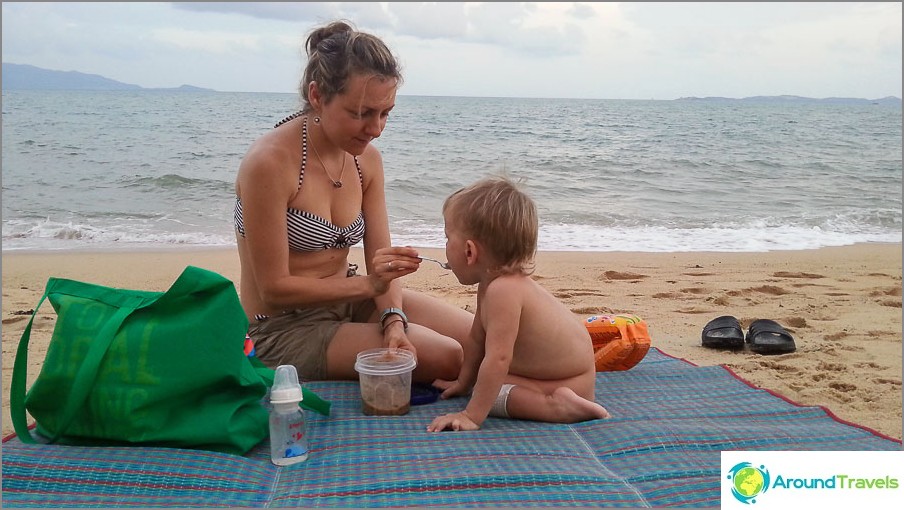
point(395, 311)
point(392, 322)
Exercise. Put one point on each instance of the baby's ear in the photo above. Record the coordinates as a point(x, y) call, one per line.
point(472, 250)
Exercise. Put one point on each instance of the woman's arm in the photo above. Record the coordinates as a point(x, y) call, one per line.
point(377, 242)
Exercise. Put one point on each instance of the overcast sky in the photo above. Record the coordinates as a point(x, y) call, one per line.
point(618, 50)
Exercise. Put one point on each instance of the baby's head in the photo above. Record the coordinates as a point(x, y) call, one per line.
point(501, 218)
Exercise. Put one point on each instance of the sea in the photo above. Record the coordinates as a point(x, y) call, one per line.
point(152, 169)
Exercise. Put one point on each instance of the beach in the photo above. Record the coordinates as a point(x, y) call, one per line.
point(841, 304)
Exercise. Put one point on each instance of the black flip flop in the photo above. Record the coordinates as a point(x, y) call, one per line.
point(765, 336)
point(723, 333)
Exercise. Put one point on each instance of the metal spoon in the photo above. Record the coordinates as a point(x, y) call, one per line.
point(444, 265)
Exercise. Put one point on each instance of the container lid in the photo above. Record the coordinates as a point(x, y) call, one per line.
point(285, 388)
point(423, 393)
point(385, 361)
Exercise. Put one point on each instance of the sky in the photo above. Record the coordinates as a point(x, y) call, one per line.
point(602, 50)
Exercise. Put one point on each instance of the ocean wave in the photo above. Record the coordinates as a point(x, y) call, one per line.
point(51, 235)
point(755, 236)
point(170, 182)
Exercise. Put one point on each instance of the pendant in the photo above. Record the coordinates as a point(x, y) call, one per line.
point(337, 184)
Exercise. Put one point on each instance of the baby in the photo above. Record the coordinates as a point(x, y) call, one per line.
point(528, 357)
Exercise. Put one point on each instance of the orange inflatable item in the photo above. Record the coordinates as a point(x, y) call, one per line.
point(619, 341)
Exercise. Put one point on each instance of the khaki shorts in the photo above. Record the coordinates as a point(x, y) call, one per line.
point(301, 337)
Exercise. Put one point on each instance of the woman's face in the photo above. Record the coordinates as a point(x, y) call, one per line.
point(358, 115)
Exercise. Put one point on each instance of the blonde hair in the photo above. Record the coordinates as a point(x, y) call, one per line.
point(502, 218)
point(336, 52)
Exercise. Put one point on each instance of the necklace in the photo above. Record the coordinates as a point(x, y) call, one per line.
point(337, 183)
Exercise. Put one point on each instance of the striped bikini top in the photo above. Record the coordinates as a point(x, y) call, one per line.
point(307, 231)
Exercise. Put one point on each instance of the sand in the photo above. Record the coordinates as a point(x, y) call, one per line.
point(842, 305)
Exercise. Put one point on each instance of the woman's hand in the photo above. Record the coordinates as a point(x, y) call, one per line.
point(395, 337)
point(391, 263)
point(452, 388)
point(454, 421)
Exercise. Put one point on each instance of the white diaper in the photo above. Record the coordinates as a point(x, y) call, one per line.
point(499, 406)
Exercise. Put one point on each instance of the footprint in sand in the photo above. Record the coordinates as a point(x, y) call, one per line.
point(882, 333)
point(592, 310)
point(770, 289)
point(781, 367)
point(830, 351)
point(665, 295)
point(569, 293)
point(617, 275)
point(893, 382)
point(807, 284)
point(891, 291)
point(840, 386)
point(721, 301)
point(841, 397)
point(831, 367)
point(788, 274)
point(694, 290)
point(795, 322)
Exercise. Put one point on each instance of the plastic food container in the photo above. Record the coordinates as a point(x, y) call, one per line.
point(385, 378)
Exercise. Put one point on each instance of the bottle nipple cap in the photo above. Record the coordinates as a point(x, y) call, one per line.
point(285, 388)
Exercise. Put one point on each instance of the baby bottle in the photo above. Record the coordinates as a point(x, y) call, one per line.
point(288, 443)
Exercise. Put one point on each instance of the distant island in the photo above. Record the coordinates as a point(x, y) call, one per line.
point(890, 100)
point(26, 77)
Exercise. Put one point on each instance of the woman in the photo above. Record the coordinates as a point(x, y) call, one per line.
point(308, 190)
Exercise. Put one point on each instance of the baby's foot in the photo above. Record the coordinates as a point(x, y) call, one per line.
point(577, 408)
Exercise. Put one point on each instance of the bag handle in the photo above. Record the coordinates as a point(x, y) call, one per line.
point(84, 378)
point(17, 384)
point(87, 372)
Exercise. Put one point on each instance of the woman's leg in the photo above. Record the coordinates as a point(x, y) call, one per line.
point(438, 315)
point(436, 328)
point(438, 356)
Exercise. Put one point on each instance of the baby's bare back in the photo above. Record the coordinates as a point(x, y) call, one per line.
point(552, 343)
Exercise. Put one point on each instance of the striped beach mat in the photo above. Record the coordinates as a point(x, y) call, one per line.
point(661, 448)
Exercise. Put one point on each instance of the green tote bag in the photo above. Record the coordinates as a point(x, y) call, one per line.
point(149, 368)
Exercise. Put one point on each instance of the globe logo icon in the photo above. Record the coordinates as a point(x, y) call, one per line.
point(748, 482)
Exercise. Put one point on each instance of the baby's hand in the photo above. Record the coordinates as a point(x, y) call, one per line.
point(454, 421)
